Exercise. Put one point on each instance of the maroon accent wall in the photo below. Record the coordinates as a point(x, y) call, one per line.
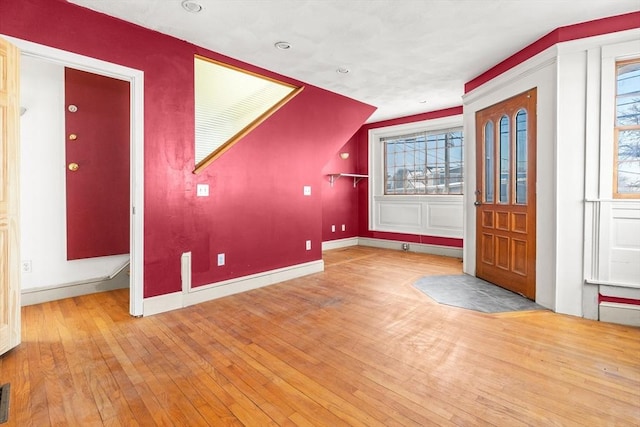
point(596, 27)
point(340, 202)
point(362, 138)
point(256, 213)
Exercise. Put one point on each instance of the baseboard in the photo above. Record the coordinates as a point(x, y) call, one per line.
point(161, 303)
point(339, 243)
point(118, 280)
point(175, 300)
point(413, 247)
point(624, 314)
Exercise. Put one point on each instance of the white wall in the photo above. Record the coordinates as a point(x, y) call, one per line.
point(574, 157)
point(539, 72)
point(43, 214)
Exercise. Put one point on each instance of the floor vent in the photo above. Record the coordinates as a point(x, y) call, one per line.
point(4, 403)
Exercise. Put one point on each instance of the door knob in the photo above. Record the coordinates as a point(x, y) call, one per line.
point(475, 203)
point(73, 167)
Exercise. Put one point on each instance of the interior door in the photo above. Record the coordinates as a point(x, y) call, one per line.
point(97, 123)
point(9, 197)
point(506, 194)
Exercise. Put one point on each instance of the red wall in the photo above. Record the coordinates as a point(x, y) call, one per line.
point(363, 196)
point(340, 202)
point(256, 213)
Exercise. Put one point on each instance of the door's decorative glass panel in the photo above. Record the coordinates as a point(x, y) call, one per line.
point(521, 157)
point(489, 162)
point(505, 155)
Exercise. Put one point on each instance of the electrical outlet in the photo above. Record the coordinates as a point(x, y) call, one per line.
point(202, 190)
point(333, 228)
point(26, 266)
point(221, 260)
point(308, 245)
point(306, 190)
point(344, 227)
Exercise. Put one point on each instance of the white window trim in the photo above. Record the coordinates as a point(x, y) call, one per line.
point(432, 214)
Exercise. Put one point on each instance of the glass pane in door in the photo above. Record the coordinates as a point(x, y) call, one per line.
point(505, 155)
point(521, 157)
point(489, 162)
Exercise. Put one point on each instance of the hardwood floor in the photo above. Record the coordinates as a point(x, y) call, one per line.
point(356, 345)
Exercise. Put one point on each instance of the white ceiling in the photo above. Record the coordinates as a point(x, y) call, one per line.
point(399, 52)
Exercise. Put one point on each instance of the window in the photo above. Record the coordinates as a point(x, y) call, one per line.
point(415, 177)
point(424, 162)
point(229, 103)
point(626, 171)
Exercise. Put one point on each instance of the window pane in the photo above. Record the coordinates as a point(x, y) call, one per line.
point(521, 157)
point(489, 171)
point(628, 110)
point(627, 156)
point(628, 82)
point(424, 163)
point(504, 159)
point(629, 161)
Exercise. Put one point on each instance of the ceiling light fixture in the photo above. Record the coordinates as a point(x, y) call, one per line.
point(282, 45)
point(343, 70)
point(191, 6)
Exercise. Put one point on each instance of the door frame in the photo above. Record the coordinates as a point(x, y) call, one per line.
point(136, 180)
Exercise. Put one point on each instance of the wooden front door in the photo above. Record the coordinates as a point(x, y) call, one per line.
point(97, 122)
point(9, 197)
point(506, 194)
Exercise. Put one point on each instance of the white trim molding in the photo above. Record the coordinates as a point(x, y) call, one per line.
point(190, 295)
point(422, 248)
point(339, 243)
point(118, 280)
point(136, 85)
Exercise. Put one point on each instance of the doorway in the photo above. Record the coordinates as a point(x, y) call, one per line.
point(505, 197)
point(135, 79)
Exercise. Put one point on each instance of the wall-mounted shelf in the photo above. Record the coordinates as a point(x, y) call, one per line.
point(333, 177)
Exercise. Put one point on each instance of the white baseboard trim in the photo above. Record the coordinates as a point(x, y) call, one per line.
point(52, 293)
point(624, 314)
point(162, 303)
point(413, 247)
point(339, 243)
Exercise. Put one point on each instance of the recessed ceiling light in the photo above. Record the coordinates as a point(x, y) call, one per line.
point(343, 70)
point(191, 6)
point(282, 45)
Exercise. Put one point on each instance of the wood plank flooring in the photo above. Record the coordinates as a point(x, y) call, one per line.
point(356, 345)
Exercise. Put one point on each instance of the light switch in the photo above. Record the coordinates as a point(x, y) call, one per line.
point(202, 190)
point(307, 190)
